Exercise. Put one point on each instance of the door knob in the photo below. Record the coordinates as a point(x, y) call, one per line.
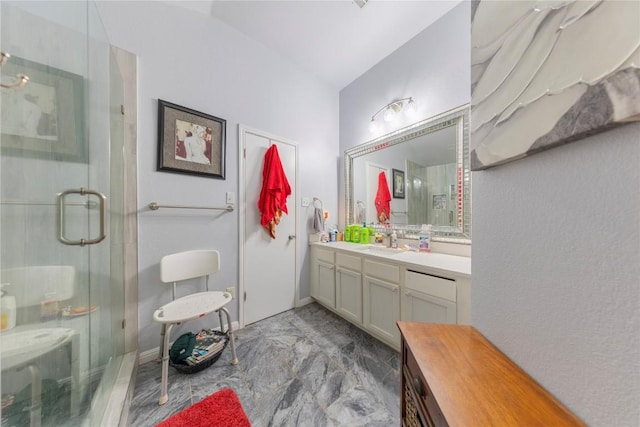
point(292, 236)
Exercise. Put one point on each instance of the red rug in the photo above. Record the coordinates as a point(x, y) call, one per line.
point(220, 409)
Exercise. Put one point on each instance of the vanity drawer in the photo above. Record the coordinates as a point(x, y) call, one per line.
point(390, 273)
point(325, 255)
point(349, 261)
point(431, 285)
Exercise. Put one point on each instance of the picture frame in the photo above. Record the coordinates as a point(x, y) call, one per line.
point(398, 184)
point(46, 117)
point(439, 201)
point(190, 142)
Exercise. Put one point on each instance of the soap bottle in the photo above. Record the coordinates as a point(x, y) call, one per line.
point(355, 233)
point(333, 233)
point(50, 307)
point(424, 238)
point(347, 233)
point(394, 240)
point(7, 310)
point(372, 234)
point(364, 234)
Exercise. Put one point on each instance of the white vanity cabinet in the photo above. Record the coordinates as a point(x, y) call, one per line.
point(323, 279)
point(374, 290)
point(382, 299)
point(349, 287)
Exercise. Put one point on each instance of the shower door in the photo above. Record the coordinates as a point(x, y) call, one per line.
point(61, 195)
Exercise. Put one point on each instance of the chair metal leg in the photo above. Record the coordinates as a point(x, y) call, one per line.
point(162, 332)
point(165, 365)
point(35, 411)
point(234, 360)
point(221, 324)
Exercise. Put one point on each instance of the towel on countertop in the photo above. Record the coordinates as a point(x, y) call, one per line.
point(383, 197)
point(275, 190)
point(318, 220)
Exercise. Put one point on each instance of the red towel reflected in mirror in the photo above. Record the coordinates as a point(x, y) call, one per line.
point(383, 197)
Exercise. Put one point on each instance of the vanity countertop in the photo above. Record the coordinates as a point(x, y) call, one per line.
point(458, 265)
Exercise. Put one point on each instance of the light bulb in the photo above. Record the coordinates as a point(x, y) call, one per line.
point(389, 114)
point(412, 108)
point(373, 126)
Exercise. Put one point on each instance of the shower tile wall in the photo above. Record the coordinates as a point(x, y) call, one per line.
point(441, 197)
point(432, 199)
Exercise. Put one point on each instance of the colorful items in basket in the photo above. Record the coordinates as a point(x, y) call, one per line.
point(190, 349)
point(208, 343)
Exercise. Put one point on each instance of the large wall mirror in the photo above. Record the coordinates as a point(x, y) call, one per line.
point(426, 169)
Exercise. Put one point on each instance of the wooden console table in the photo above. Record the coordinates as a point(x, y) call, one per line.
point(453, 376)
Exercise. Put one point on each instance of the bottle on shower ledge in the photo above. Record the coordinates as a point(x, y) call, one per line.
point(7, 309)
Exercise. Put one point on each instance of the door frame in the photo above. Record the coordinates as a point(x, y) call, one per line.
point(243, 205)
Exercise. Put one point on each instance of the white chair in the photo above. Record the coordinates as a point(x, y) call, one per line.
point(184, 266)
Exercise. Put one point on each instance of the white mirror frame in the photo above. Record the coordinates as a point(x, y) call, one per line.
point(458, 117)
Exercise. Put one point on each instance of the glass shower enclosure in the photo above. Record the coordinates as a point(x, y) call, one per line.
point(61, 199)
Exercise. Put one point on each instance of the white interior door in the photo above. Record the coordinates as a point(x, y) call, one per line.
point(267, 266)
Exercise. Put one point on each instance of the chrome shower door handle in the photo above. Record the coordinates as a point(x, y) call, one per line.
point(61, 216)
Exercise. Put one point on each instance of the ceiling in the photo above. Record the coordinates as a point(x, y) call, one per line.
point(334, 39)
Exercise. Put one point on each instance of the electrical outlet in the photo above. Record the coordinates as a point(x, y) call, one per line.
point(232, 291)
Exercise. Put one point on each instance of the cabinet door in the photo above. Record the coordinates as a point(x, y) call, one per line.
point(323, 280)
point(325, 288)
point(420, 307)
point(349, 294)
point(382, 308)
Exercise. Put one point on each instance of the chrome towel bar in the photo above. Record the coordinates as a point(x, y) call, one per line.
point(155, 206)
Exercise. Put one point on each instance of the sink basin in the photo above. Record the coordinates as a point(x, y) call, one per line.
point(385, 250)
point(362, 247)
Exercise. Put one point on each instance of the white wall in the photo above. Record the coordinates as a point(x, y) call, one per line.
point(556, 271)
point(433, 68)
point(199, 62)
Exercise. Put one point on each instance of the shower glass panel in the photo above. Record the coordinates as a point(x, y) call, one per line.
point(61, 195)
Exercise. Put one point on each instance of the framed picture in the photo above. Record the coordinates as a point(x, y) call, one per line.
point(439, 201)
point(46, 117)
point(398, 184)
point(190, 142)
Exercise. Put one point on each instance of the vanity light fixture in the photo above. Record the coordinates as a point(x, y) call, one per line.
point(391, 111)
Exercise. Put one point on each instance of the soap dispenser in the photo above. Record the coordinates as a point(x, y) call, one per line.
point(7, 309)
point(394, 240)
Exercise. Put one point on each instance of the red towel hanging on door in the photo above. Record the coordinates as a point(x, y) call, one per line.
point(274, 193)
point(383, 197)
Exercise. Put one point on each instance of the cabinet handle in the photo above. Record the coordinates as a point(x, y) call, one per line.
point(395, 289)
point(417, 385)
point(408, 293)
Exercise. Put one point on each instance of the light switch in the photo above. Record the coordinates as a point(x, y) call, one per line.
point(305, 202)
point(231, 197)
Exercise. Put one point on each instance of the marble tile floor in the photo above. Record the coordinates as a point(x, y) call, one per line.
point(303, 367)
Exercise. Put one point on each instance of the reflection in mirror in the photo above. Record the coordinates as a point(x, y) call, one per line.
point(425, 168)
